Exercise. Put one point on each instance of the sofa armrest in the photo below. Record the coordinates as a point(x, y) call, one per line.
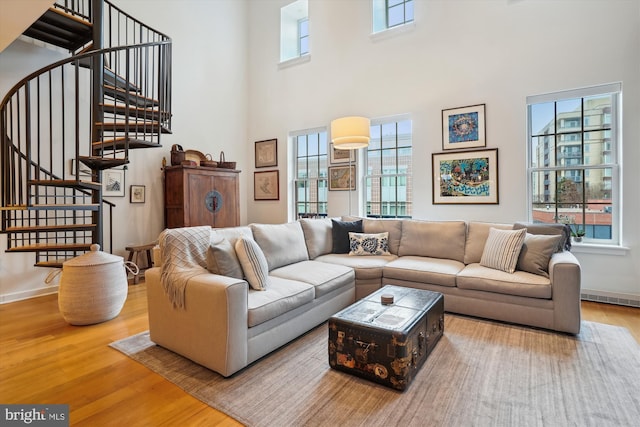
point(212, 327)
point(565, 275)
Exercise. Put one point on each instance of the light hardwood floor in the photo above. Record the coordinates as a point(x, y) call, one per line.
point(44, 360)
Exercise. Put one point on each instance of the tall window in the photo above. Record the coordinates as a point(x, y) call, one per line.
point(388, 179)
point(573, 163)
point(294, 30)
point(391, 13)
point(311, 174)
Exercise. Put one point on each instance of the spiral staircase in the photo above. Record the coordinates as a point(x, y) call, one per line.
point(64, 125)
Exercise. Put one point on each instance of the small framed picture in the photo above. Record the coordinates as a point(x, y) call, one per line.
point(342, 178)
point(463, 127)
point(266, 153)
point(136, 194)
point(113, 183)
point(465, 177)
point(266, 185)
point(337, 156)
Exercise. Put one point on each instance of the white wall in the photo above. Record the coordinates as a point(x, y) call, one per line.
point(230, 92)
point(458, 53)
point(210, 97)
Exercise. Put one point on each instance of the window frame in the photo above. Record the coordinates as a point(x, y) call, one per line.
point(407, 178)
point(380, 16)
point(612, 161)
point(296, 180)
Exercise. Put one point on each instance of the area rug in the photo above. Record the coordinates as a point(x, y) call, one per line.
point(481, 373)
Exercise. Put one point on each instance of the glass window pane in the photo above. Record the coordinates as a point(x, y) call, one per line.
point(568, 115)
point(396, 15)
point(302, 146)
point(304, 46)
point(404, 133)
point(597, 112)
point(394, 2)
point(323, 143)
point(542, 118)
point(543, 153)
point(408, 11)
point(375, 137)
point(312, 144)
point(301, 165)
point(304, 27)
point(389, 165)
point(569, 188)
point(389, 135)
point(313, 167)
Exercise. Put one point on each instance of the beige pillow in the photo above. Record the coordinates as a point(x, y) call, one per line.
point(254, 264)
point(222, 258)
point(502, 249)
point(536, 253)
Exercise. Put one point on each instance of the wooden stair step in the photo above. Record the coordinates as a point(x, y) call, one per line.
point(51, 228)
point(131, 98)
point(61, 29)
point(65, 207)
point(67, 183)
point(102, 163)
point(141, 113)
point(51, 247)
point(119, 144)
point(139, 127)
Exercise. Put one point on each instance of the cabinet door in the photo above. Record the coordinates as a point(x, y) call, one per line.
point(227, 209)
point(198, 187)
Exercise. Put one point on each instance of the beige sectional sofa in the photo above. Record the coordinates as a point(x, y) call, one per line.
point(225, 323)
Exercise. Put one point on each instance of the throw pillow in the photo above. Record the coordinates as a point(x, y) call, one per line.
point(369, 244)
point(536, 253)
point(254, 264)
point(340, 234)
point(222, 258)
point(502, 249)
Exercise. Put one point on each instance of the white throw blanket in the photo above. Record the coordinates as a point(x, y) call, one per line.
point(184, 255)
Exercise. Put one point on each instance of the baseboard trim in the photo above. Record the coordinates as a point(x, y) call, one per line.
point(630, 300)
point(31, 293)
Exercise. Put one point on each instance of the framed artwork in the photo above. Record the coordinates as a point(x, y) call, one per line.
point(337, 156)
point(136, 194)
point(463, 127)
point(113, 183)
point(342, 178)
point(465, 177)
point(266, 185)
point(266, 153)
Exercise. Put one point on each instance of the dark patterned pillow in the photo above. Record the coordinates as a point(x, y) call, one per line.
point(340, 234)
point(369, 244)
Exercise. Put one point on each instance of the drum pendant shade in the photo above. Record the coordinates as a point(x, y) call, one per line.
point(350, 133)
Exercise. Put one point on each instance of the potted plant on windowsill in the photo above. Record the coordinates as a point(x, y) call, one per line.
point(577, 235)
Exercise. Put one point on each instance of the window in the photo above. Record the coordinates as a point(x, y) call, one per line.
point(294, 30)
point(391, 13)
point(311, 182)
point(388, 179)
point(565, 184)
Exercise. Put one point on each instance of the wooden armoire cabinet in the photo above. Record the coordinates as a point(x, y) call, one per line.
point(196, 195)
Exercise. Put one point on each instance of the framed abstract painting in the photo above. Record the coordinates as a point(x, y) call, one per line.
point(463, 127)
point(465, 177)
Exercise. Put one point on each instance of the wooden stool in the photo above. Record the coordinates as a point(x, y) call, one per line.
point(137, 250)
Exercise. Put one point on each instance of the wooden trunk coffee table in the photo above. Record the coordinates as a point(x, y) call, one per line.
point(387, 343)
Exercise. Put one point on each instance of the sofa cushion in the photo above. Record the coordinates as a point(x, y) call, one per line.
point(393, 226)
point(435, 239)
point(365, 267)
point(254, 264)
point(502, 249)
point(282, 244)
point(369, 244)
point(428, 270)
point(323, 277)
point(222, 258)
point(520, 283)
point(536, 252)
point(317, 236)
point(549, 229)
point(340, 234)
point(477, 233)
point(233, 233)
point(282, 296)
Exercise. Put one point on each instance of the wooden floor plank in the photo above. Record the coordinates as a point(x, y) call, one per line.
point(45, 360)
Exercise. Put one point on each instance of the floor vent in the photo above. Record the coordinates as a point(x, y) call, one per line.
point(631, 302)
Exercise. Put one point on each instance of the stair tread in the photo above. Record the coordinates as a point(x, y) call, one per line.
point(143, 113)
point(61, 29)
point(138, 127)
point(118, 143)
point(44, 247)
point(132, 97)
point(102, 163)
point(55, 227)
point(66, 183)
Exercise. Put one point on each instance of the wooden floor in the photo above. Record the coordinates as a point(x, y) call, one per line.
point(44, 360)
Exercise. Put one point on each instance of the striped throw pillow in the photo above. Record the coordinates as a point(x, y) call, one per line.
point(253, 262)
point(502, 249)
